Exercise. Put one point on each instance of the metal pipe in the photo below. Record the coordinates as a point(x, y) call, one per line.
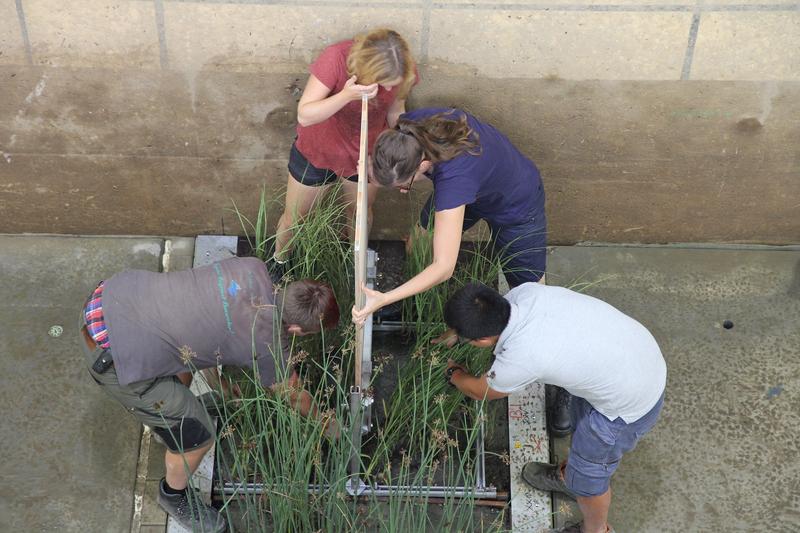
point(366, 350)
point(389, 326)
point(480, 450)
point(417, 491)
point(355, 435)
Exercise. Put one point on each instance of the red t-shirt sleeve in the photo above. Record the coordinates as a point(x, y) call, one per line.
point(331, 66)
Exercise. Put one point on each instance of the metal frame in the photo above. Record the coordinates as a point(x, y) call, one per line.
point(360, 403)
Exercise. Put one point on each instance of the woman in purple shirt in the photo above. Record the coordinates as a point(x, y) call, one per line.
point(477, 174)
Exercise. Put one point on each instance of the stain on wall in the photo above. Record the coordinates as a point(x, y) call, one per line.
point(103, 152)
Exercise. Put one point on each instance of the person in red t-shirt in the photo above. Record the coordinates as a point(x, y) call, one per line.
point(378, 64)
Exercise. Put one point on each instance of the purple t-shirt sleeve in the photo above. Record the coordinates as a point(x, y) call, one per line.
point(455, 183)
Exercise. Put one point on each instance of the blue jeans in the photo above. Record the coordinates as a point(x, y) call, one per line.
point(598, 444)
point(523, 246)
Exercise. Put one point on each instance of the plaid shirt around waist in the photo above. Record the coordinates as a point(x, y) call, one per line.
point(93, 313)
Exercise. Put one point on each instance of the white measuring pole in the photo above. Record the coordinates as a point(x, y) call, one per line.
point(360, 239)
point(356, 486)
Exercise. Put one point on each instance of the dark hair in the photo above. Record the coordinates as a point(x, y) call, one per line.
point(308, 303)
point(437, 138)
point(476, 311)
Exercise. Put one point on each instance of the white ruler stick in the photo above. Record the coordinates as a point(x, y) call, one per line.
point(360, 239)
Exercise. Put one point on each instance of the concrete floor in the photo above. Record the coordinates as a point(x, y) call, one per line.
point(723, 457)
point(69, 453)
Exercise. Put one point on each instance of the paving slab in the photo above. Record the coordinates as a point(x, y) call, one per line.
point(723, 457)
point(69, 458)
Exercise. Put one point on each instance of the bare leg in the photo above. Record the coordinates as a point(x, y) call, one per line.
point(185, 378)
point(349, 196)
point(177, 475)
point(299, 201)
point(593, 508)
point(595, 512)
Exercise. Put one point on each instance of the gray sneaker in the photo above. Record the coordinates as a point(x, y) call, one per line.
point(576, 528)
point(544, 476)
point(194, 515)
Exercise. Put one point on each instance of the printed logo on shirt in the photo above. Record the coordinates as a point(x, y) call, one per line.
point(225, 305)
point(233, 288)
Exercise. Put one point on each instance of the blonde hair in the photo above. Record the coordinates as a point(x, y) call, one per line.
point(381, 56)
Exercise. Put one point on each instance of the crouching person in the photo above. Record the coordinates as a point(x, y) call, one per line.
point(609, 362)
point(144, 331)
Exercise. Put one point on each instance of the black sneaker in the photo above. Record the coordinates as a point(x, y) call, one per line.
point(559, 418)
point(544, 476)
point(194, 515)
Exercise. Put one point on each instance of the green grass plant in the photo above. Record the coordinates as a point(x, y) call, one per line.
point(426, 438)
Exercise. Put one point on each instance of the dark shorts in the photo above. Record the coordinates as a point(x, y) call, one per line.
point(166, 405)
point(522, 246)
point(598, 444)
point(307, 174)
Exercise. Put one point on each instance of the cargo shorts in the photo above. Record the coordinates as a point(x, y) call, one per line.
point(167, 406)
point(598, 445)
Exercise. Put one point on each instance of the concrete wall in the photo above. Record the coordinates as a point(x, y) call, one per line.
point(651, 122)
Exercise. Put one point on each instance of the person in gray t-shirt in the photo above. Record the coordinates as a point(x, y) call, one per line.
point(609, 362)
point(145, 332)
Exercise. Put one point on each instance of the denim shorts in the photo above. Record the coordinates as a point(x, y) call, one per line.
point(307, 174)
point(598, 444)
point(523, 246)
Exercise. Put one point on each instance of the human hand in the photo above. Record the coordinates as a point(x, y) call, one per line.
point(374, 301)
point(449, 338)
point(451, 363)
point(354, 91)
point(452, 366)
point(331, 427)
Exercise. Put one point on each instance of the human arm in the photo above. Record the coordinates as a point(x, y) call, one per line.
point(318, 104)
point(446, 242)
point(302, 401)
point(476, 387)
point(397, 108)
point(449, 338)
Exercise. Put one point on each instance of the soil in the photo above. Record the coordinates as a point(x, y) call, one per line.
point(397, 346)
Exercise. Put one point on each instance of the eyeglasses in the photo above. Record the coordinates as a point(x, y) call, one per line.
point(407, 187)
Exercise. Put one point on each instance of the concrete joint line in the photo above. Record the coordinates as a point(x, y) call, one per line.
point(162, 34)
point(564, 7)
point(425, 32)
point(687, 60)
point(145, 157)
point(307, 3)
point(428, 5)
point(141, 481)
point(23, 28)
point(754, 7)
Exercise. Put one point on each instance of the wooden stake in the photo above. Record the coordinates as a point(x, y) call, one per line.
point(360, 239)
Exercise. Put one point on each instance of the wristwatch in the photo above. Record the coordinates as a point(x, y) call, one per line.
point(449, 374)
